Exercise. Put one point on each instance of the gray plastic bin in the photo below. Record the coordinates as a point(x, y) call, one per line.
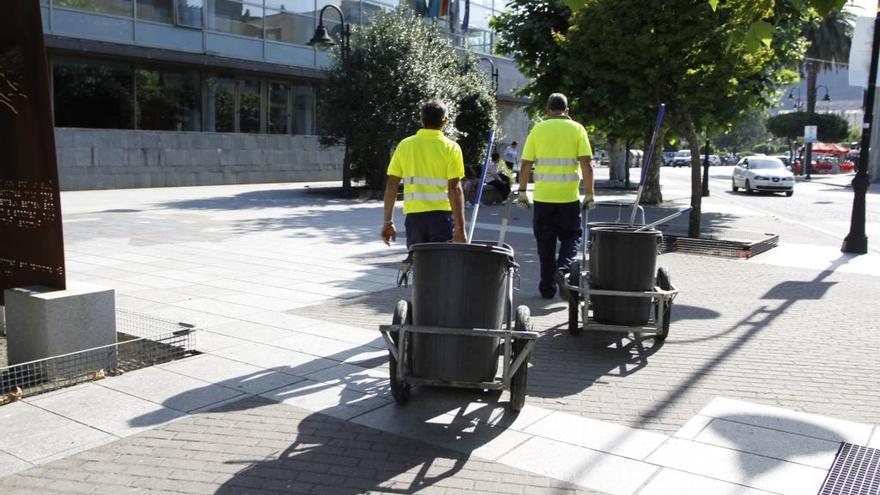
point(625, 260)
point(458, 286)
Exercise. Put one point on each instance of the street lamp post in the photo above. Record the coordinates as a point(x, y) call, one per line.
point(322, 40)
point(494, 73)
point(706, 151)
point(856, 241)
point(808, 153)
point(795, 100)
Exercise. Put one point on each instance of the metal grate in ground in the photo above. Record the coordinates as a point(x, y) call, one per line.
point(856, 471)
point(142, 340)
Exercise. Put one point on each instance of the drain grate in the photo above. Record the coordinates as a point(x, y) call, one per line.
point(856, 471)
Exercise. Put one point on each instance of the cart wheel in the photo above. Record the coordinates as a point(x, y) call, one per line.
point(519, 381)
point(402, 316)
point(664, 283)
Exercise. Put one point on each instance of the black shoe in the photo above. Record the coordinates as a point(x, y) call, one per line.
point(559, 278)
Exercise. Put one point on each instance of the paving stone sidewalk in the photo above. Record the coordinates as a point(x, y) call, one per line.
point(259, 447)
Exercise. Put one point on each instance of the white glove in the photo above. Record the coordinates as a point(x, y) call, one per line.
point(522, 199)
point(588, 203)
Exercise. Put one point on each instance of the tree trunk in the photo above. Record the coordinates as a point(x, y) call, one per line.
point(613, 158)
point(696, 177)
point(651, 195)
point(812, 74)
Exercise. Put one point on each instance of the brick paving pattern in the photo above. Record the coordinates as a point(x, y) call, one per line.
point(257, 447)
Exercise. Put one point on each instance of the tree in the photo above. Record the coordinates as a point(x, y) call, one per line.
point(744, 134)
point(619, 59)
point(830, 128)
point(372, 96)
point(829, 41)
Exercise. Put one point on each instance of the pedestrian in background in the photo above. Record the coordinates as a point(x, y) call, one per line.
point(559, 149)
point(430, 166)
point(511, 158)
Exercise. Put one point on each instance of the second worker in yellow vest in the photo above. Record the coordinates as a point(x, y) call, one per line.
point(559, 150)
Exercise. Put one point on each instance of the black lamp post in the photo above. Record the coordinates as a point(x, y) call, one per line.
point(322, 40)
point(706, 152)
point(856, 241)
point(795, 100)
point(808, 154)
point(494, 72)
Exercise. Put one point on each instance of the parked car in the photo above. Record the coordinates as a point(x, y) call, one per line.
point(785, 159)
point(762, 173)
point(682, 158)
point(666, 157)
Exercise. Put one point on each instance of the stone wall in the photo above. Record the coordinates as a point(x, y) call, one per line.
point(111, 159)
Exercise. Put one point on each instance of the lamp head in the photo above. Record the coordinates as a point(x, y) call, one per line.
point(321, 39)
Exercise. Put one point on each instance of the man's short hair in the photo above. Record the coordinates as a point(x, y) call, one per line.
point(433, 113)
point(495, 157)
point(557, 102)
point(514, 143)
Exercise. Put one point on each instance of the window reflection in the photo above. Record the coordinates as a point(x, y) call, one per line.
point(168, 100)
point(189, 13)
point(95, 95)
point(220, 105)
point(115, 7)
point(156, 10)
point(287, 27)
point(279, 108)
point(229, 16)
point(249, 105)
point(303, 110)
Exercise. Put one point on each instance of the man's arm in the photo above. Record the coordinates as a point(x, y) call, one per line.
point(456, 200)
point(525, 169)
point(587, 172)
point(389, 234)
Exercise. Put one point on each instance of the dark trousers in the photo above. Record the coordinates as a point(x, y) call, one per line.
point(503, 186)
point(429, 226)
point(554, 222)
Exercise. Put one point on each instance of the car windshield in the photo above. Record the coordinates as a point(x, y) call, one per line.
point(683, 153)
point(765, 164)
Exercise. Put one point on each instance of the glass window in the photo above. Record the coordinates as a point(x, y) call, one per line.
point(189, 13)
point(303, 110)
point(289, 28)
point(297, 6)
point(93, 94)
point(249, 105)
point(156, 10)
point(479, 40)
point(220, 105)
point(235, 17)
point(279, 108)
point(168, 100)
point(115, 7)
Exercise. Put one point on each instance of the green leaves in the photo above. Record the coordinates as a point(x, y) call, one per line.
point(759, 33)
point(576, 5)
point(713, 4)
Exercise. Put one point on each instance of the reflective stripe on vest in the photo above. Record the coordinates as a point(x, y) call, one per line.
point(556, 162)
point(425, 197)
point(557, 177)
point(426, 181)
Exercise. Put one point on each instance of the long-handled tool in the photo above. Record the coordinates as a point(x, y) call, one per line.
point(666, 219)
point(505, 220)
point(479, 195)
point(649, 158)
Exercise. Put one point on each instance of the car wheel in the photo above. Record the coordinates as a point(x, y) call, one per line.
point(733, 185)
point(789, 193)
point(749, 187)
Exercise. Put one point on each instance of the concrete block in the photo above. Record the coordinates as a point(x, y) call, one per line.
point(149, 140)
point(63, 138)
point(209, 157)
point(231, 374)
point(110, 157)
point(82, 157)
point(151, 157)
point(670, 481)
point(339, 402)
point(44, 322)
point(174, 391)
point(82, 138)
point(136, 157)
point(10, 464)
point(598, 435)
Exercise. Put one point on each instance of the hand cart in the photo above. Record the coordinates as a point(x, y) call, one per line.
point(515, 342)
point(578, 282)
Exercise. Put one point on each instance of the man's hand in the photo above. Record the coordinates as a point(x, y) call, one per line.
point(522, 200)
point(458, 235)
point(588, 203)
point(389, 233)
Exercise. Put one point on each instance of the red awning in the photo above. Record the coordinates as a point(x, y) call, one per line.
point(830, 148)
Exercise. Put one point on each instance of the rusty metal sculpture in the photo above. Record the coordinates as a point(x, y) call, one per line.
point(31, 240)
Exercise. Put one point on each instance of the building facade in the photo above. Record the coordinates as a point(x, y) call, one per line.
point(192, 92)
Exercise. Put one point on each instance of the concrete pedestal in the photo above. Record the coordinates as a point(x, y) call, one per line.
point(42, 322)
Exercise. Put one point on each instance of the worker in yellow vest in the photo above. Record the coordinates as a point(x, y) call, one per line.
point(560, 152)
point(431, 167)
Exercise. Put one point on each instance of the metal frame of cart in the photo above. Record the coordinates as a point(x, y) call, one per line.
point(517, 343)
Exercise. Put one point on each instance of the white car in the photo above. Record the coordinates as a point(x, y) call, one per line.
point(762, 173)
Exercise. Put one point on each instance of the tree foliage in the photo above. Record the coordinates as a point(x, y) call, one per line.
point(745, 134)
point(619, 59)
point(372, 96)
point(830, 128)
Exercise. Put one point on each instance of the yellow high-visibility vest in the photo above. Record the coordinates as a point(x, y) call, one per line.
point(426, 162)
point(554, 146)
